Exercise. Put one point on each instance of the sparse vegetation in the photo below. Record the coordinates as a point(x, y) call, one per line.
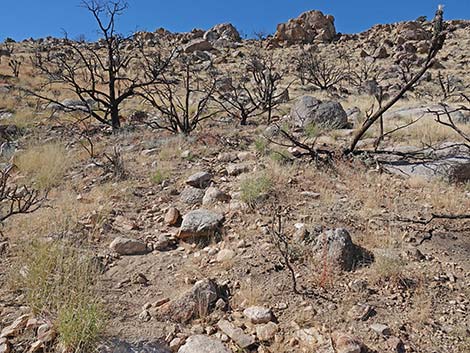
point(44, 164)
point(255, 188)
point(157, 184)
point(388, 268)
point(160, 175)
point(58, 279)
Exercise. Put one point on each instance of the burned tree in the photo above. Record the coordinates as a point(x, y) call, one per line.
point(256, 91)
point(363, 73)
point(437, 42)
point(444, 116)
point(15, 65)
point(322, 73)
point(237, 99)
point(182, 102)
point(101, 75)
point(16, 200)
point(266, 80)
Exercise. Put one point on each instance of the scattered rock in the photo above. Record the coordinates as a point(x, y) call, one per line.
point(383, 330)
point(381, 53)
point(225, 255)
point(203, 344)
point(412, 31)
point(140, 278)
point(172, 217)
point(303, 111)
point(310, 195)
point(396, 345)
point(341, 252)
point(344, 343)
point(258, 314)
point(192, 196)
point(199, 180)
point(144, 315)
point(160, 302)
point(330, 115)
point(214, 195)
point(360, 312)
point(448, 162)
point(267, 331)
point(236, 334)
point(36, 346)
point(197, 302)
point(424, 112)
point(18, 325)
point(308, 110)
point(309, 336)
point(176, 343)
point(237, 169)
point(126, 246)
point(198, 44)
point(200, 223)
point(246, 156)
point(5, 346)
point(222, 31)
point(163, 243)
point(226, 157)
point(118, 346)
point(46, 333)
point(124, 224)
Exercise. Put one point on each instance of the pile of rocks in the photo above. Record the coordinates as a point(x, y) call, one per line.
point(308, 27)
point(223, 35)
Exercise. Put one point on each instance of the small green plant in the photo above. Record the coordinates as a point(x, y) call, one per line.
point(261, 146)
point(312, 130)
point(160, 176)
point(79, 325)
point(254, 188)
point(58, 280)
point(281, 157)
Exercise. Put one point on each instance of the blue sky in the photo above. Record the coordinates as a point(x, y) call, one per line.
point(21, 19)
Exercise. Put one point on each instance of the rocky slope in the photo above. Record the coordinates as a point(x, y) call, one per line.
point(225, 242)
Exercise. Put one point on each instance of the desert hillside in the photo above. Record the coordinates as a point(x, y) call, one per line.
point(306, 191)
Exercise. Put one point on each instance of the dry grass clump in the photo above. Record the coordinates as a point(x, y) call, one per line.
point(162, 173)
point(250, 293)
point(254, 188)
point(58, 281)
point(426, 132)
point(424, 310)
point(24, 118)
point(45, 165)
point(388, 267)
point(171, 149)
point(68, 217)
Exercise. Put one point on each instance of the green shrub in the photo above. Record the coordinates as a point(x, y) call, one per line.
point(253, 188)
point(312, 130)
point(79, 325)
point(261, 145)
point(280, 157)
point(59, 281)
point(160, 176)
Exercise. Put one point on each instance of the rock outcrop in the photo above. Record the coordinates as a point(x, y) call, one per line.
point(308, 110)
point(308, 27)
